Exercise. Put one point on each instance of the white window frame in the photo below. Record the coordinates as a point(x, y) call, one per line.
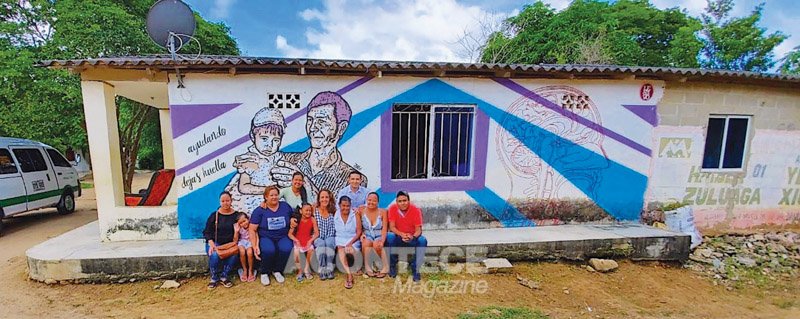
point(430, 139)
point(746, 148)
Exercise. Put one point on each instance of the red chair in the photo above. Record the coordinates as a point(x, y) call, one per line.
point(155, 194)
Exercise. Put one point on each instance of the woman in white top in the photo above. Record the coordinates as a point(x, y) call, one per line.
point(348, 232)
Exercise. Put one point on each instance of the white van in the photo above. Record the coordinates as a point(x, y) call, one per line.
point(34, 175)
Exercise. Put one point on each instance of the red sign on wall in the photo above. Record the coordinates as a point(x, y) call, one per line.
point(646, 91)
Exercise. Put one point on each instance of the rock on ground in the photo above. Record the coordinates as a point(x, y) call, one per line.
point(603, 265)
point(169, 284)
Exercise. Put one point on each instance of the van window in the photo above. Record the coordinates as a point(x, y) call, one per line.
point(7, 165)
point(57, 159)
point(30, 160)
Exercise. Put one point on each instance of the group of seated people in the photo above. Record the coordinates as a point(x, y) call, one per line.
point(349, 225)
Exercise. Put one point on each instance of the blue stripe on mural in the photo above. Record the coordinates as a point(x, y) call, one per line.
point(195, 207)
point(386, 199)
point(617, 189)
point(504, 212)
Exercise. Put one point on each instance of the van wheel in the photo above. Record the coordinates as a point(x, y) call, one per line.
point(67, 203)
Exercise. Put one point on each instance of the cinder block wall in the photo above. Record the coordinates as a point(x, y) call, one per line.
point(765, 192)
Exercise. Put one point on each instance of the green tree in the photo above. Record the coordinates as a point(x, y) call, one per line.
point(736, 43)
point(631, 32)
point(791, 62)
point(46, 105)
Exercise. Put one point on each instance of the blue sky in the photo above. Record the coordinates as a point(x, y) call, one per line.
point(418, 30)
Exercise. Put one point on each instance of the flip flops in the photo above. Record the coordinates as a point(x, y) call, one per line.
point(348, 283)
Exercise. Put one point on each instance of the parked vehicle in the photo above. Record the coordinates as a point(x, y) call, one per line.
point(34, 175)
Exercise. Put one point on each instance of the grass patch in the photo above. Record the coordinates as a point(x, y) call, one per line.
point(383, 316)
point(742, 277)
point(307, 315)
point(785, 304)
point(86, 185)
point(494, 312)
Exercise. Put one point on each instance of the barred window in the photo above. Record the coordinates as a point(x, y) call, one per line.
point(283, 100)
point(432, 141)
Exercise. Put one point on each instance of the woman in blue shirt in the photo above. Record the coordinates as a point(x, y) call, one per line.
point(271, 225)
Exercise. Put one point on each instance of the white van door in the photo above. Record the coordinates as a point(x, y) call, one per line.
point(66, 175)
point(40, 180)
point(12, 189)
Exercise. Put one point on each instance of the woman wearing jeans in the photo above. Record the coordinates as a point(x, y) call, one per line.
point(271, 225)
point(325, 244)
point(218, 235)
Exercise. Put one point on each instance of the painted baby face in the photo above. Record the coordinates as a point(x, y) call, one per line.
point(267, 143)
point(321, 126)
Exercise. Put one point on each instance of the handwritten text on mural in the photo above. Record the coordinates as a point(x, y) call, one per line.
point(207, 138)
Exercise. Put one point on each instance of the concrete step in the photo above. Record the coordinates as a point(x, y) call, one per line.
point(79, 256)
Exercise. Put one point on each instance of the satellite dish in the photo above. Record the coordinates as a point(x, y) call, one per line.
point(170, 23)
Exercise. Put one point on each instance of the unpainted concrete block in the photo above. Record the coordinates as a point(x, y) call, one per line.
point(495, 265)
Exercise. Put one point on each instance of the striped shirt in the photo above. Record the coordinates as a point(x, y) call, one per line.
point(327, 229)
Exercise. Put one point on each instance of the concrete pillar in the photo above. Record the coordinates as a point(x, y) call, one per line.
point(167, 149)
point(103, 132)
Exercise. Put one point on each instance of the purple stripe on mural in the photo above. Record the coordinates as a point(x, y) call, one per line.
point(342, 91)
point(646, 112)
point(514, 86)
point(212, 155)
point(186, 117)
point(244, 139)
point(353, 85)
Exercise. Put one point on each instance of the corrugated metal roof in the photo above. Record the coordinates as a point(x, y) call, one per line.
point(265, 64)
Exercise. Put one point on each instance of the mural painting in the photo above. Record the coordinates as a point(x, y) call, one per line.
point(323, 166)
point(551, 142)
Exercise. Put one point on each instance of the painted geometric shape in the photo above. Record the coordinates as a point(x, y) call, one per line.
point(646, 112)
point(186, 117)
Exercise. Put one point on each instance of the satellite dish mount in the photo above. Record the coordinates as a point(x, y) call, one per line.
point(171, 24)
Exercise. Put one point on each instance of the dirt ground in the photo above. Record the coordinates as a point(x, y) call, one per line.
point(635, 290)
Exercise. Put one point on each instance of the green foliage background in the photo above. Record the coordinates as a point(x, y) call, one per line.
point(46, 105)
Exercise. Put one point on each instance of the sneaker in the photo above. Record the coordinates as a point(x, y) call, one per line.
point(392, 273)
point(226, 283)
point(279, 277)
point(417, 277)
point(265, 280)
point(300, 278)
point(212, 285)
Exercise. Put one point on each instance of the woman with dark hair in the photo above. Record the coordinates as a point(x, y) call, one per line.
point(375, 225)
point(271, 224)
point(348, 231)
point(296, 194)
point(326, 243)
point(220, 246)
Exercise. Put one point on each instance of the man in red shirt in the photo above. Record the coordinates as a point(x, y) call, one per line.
point(405, 233)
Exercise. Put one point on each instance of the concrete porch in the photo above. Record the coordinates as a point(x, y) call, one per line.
point(79, 256)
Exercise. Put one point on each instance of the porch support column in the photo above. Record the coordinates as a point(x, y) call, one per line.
point(103, 132)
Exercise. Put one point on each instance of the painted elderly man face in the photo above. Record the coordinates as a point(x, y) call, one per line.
point(321, 126)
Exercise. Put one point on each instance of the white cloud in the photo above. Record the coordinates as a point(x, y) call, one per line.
point(428, 30)
point(221, 8)
point(419, 30)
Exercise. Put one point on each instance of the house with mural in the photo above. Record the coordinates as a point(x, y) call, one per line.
point(476, 145)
